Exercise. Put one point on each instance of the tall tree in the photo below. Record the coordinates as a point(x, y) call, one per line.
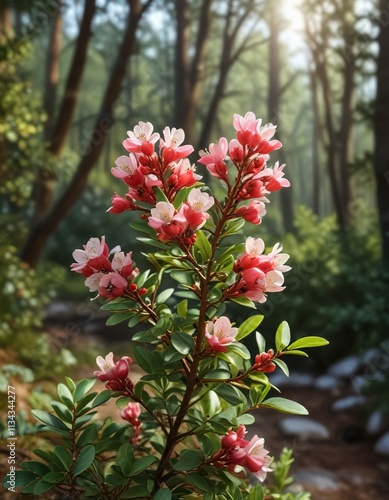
point(275, 92)
point(46, 225)
point(381, 133)
point(331, 33)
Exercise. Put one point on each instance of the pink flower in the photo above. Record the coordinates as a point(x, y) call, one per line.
point(253, 257)
point(252, 134)
point(131, 412)
point(166, 220)
point(220, 333)
point(142, 139)
point(273, 178)
point(120, 204)
point(263, 362)
point(125, 166)
point(234, 439)
point(183, 175)
point(112, 370)
point(92, 259)
point(214, 160)
point(112, 286)
point(195, 210)
point(254, 284)
point(253, 212)
point(172, 151)
point(256, 459)
point(93, 281)
point(122, 263)
point(246, 122)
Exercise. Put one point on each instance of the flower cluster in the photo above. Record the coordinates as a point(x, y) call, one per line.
point(130, 413)
point(237, 452)
point(114, 372)
point(111, 279)
point(145, 168)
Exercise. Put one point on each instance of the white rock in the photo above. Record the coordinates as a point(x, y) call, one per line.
point(376, 423)
point(382, 445)
point(345, 367)
point(370, 355)
point(295, 379)
point(348, 403)
point(320, 479)
point(304, 428)
point(327, 383)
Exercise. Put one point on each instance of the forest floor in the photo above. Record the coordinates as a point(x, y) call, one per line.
point(342, 467)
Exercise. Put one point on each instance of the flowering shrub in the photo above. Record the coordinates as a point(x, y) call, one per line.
point(184, 432)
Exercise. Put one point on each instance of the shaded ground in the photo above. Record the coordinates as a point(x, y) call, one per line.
point(343, 467)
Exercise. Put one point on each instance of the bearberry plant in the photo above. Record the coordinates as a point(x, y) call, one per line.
point(183, 431)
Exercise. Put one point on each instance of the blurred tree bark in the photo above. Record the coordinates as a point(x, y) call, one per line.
point(315, 144)
point(189, 73)
point(57, 131)
point(381, 133)
point(235, 18)
point(273, 104)
point(5, 21)
point(46, 225)
point(323, 25)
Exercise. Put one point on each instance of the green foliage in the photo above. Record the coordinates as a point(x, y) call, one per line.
point(282, 479)
point(334, 277)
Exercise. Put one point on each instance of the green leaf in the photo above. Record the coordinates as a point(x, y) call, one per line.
point(101, 398)
point(256, 493)
point(183, 342)
point(22, 477)
point(230, 394)
point(83, 387)
point(261, 342)
point(87, 436)
point(199, 482)
point(62, 411)
point(164, 296)
point(38, 467)
point(41, 486)
point(118, 318)
point(142, 464)
point(51, 420)
point(65, 395)
point(134, 320)
point(62, 458)
point(54, 477)
point(84, 459)
point(203, 245)
point(285, 406)
point(125, 459)
point(182, 308)
point(136, 492)
point(182, 277)
point(163, 494)
point(152, 242)
point(282, 365)
point(244, 301)
point(188, 460)
point(117, 305)
point(282, 336)
point(141, 226)
point(296, 352)
point(181, 196)
point(249, 326)
point(160, 195)
point(305, 342)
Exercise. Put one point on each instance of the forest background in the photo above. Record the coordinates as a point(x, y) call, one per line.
point(76, 75)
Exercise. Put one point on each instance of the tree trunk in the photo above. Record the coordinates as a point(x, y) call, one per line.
point(5, 22)
point(346, 125)
point(57, 131)
point(273, 105)
point(315, 145)
point(45, 184)
point(381, 135)
point(45, 227)
point(181, 63)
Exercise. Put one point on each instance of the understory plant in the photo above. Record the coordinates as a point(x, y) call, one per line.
point(184, 424)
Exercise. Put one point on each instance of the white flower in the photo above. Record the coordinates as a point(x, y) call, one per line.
point(200, 202)
point(254, 246)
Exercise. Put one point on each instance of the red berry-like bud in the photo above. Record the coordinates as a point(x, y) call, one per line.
point(143, 291)
point(133, 287)
point(122, 369)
